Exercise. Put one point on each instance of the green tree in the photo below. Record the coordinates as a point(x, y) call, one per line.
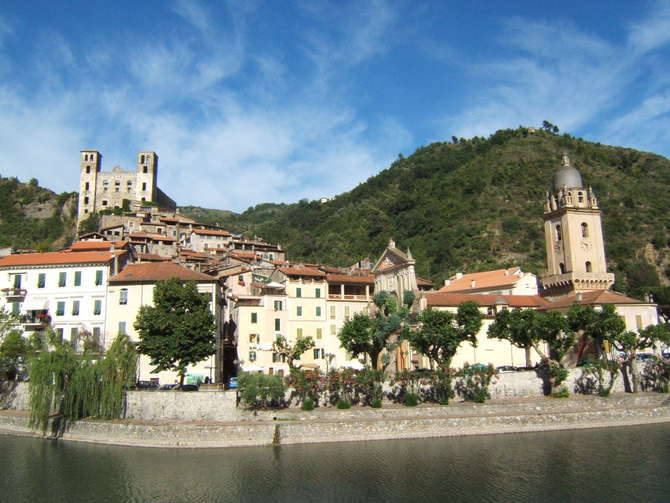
point(178, 330)
point(380, 331)
point(291, 352)
point(440, 333)
point(599, 324)
point(13, 353)
point(89, 224)
point(517, 327)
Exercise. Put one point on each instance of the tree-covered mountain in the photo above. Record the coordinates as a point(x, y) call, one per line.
point(476, 204)
point(32, 217)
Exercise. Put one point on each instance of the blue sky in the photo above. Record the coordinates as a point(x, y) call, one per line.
point(247, 102)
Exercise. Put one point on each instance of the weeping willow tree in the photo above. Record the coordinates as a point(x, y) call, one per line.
point(74, 385)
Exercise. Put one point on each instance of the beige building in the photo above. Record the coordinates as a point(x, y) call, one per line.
point(100, 190)
point(133, 288)
point(512, 281)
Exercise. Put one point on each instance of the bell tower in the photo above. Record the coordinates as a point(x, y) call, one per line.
point(89, 167)
point(573, 236)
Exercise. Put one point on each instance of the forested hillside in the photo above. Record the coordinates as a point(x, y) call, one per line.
point(476, 204)
point(32, 217)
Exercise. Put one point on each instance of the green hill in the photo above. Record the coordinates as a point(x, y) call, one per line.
point(32, 217)
point(477, 204)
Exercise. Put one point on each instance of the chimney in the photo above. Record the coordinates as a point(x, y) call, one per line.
point(447, 282)
point(458, 275)
point(472, 283)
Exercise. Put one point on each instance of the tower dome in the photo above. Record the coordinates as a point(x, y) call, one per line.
point(567, 175)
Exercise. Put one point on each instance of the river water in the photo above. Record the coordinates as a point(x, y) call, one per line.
point(605, 465)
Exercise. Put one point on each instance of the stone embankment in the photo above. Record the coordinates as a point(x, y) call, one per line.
point(292, 426)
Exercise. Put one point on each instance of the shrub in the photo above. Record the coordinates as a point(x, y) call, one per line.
point(561, 393)
point(260, 391)
point(307, 405)
point(439, 388)
point(474, 381)
point(376, 403)
point(656, 376)
point(343, 404)
point(308, 385)
point(411, 400)
point(598, 377)
point(369, 387)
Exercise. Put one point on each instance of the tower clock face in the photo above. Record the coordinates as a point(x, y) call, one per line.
point(586, 246)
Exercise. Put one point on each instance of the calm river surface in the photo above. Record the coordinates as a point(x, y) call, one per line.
point(610, 465)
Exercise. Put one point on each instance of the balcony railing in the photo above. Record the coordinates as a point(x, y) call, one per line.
point(14, 292)
point(337, 296)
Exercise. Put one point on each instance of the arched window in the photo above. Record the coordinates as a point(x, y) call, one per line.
point(585, 230)
point(588, 267)
point(562, 267)
point(559, 235)
point(88, 169)
point(580, 197)
point(141, 159)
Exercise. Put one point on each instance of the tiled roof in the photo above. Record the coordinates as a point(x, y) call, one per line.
point(156, 271)
point(208, 232)
point(244, 254)
point(454, 299)
point(302, 271)
point(55, 258)
point(484, 280)
point(160, 237)
point(426, 282)
point(343, 278)
point(191, 253)
point(237, 270)
point(97, 245)
point(138, 235)
point(594, 297)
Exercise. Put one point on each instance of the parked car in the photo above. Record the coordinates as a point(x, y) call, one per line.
point(188, 387)
point(645, 357)
point(147, 386)
point(504, 369)
point(167, 387)
point(232, 383)
point(666, 354)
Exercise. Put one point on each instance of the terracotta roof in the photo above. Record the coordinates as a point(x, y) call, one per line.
point(484, 280)
point(302, 271)
point(191, 253)
point(427, 282)
point(244, 254)
point(151, 257)
point(55, 258)
point(208, 232)
point(138, 235)
point(155, 271)
point(237, 271)
point(97, 245)
point(160, 237)
point(343, 278)
point(454, 299)
point(594, 297)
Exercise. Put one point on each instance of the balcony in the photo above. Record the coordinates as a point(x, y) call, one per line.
point(35, 320)
point(14, 292)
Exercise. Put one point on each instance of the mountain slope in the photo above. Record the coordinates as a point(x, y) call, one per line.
point(478, 204)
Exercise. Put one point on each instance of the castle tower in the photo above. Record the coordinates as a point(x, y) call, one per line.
point(89, 163)
point(573, 236)
point(147, 174)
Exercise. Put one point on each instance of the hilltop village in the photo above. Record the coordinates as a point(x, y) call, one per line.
point(98, 284)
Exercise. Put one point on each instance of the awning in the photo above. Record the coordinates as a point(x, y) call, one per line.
point(36, 304)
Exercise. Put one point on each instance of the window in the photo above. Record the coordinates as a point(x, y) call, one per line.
point(254, 317)
point(104, 202)
point(580, 197)
point(298, 332)
point(86, 200)
point(559, 235)
point(253, 339)
point(77, 278)
point(122, 328)
point(142, 159)
point(490, 311)
point(299, 310)
point(123, 296)
point(16, 308)
point(333, 330)
point(319, 333)
point(86, 187)
point(145, 170)
point(588, 267)
point(277, 324)
point(277, 358)
point(298, 292)
point(332, 312)
point(96, 338)
point(318, 353)
point(638, 321)
point(59, 334)
point(585, 230)
point(278, 305)
point(97, 307)
point(60, 308)
point(75, 308)
point(317, 293)
point(88, 169)
point(318, 311)
point(252, 356)
point(41, 280)
point(17, 281)
point(74, 338)
point(561, 266)
point(98, 278)
point(144, 186)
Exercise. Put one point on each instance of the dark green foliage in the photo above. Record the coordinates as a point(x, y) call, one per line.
point(411, 400)
point(259, 391)
point(307, 404)
point(598, 377)
point(178, 330)
point(474, 381)
point(376, 403)
point(343, 404)
point(89, 224)
point(466, 206)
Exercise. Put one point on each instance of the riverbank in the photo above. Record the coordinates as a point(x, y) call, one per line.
point(322, 425)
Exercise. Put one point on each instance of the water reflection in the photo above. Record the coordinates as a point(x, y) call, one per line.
point(619, 464)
